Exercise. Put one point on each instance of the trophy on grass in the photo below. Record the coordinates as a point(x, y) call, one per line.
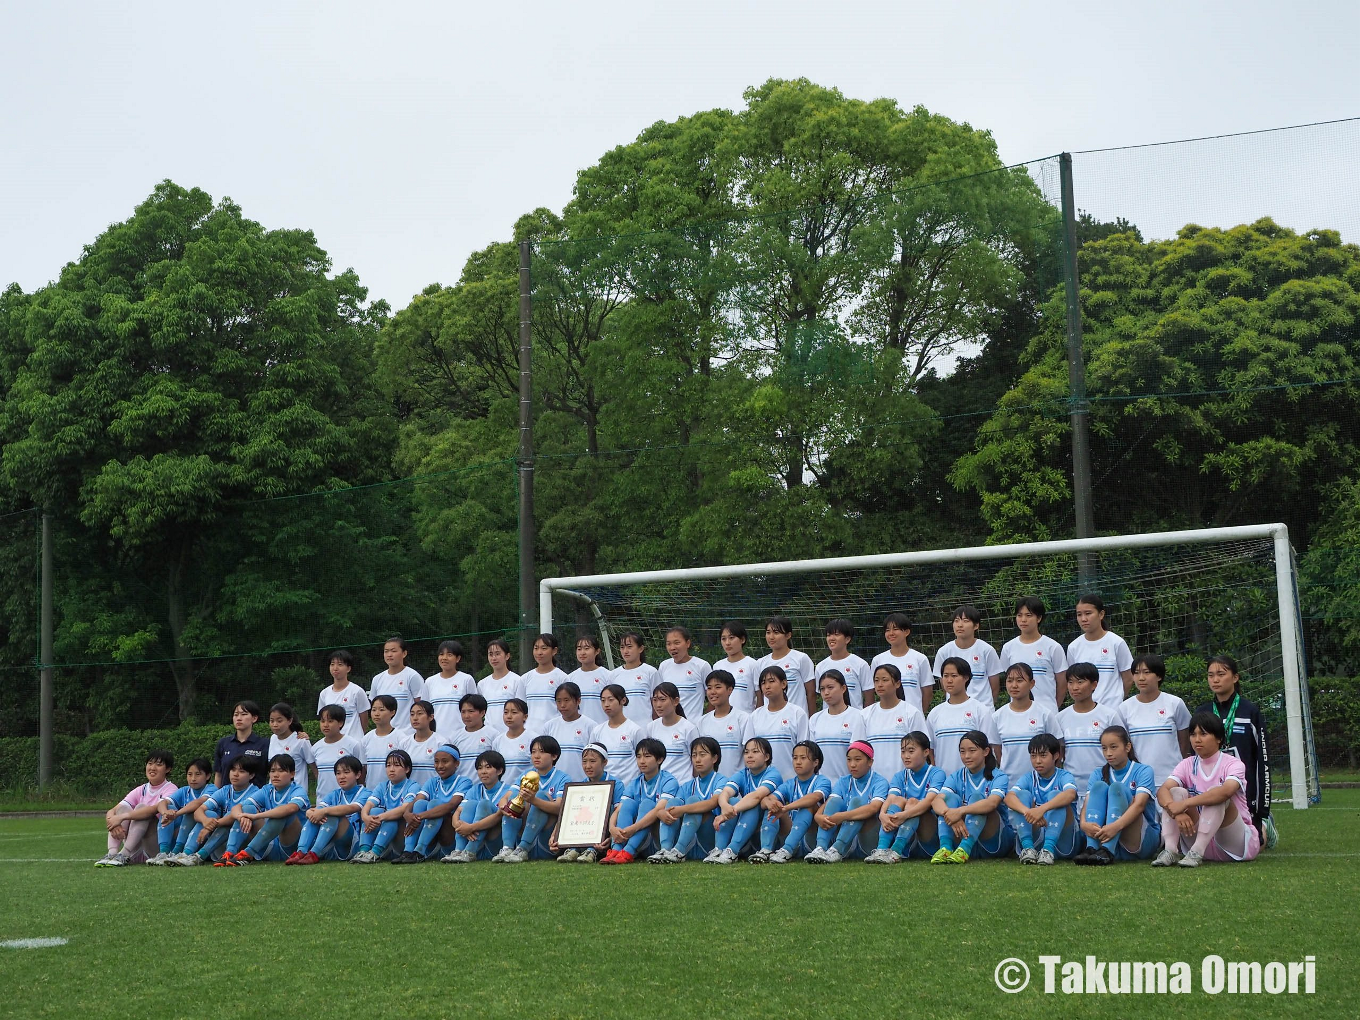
point(528, 786)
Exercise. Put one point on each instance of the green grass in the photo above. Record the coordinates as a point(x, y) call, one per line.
point(547, 940)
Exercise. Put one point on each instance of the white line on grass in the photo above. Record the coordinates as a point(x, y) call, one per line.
point(55, 835)
point(46, 860)
point(32, 943)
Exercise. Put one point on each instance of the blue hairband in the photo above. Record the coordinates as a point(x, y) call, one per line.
point(450, 750)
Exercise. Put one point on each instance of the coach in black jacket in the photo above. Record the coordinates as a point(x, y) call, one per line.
point(1246, 738)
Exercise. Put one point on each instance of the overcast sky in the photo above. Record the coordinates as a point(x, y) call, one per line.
point(409, 135)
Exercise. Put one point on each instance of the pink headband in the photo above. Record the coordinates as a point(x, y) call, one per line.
point(860, 745)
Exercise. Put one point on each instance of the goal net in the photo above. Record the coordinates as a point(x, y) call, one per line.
point(1183, 595)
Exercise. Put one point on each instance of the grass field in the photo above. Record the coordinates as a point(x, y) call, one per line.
point(548, 940)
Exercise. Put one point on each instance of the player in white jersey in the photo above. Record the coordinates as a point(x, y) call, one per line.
point(745, 681)
point(837, 725)
point(474, 737)
point(399, 681)
point(1042, 654)
point(796, 665)
point(777, 721)
point(859, 678)
point(349, 696)
point(540, 683)
point(918, 679)
point(729, 727)
point(288, 737)
point(957, 715)
point(619, 734)
point(1020, 719)
point(383, 738)
point(500, 685)
point(444, 690)
point(591, 676)
point(514, 744)
point(686, 672)
point(334, 744)
point(890, 718)
point(979, 654)
point(1158, 723)
point(1105, 650)
point(673, 730)
point(571, 730)
point(423, 741)
point(1081, 723)
point(638, 679)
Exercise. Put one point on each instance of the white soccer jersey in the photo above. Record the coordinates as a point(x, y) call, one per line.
point(833, 734)
point(858, 678)
point(622, 743)
point(731, 732)
point(1080, 733)
point(515, 751)
point(592, 682)
point(1154, 729)
point(1043, 655)
point(1016, 729)
point(540, 691)
point(471, 743)
point(376, 749)
point(797, 667)
point(688, 677)
point(444, 693)
point(299, 746)
point(676, 737)
point(884, 729)
point(638, 683)
point(744, 673)
point(422, 755)
point(497, 692)
point(948, 724)
point(916, 675)
point(353, 699)
point(326, 757)
point(982, 661)
point(782, 729)
point(406, 687)
point(572, 737)
point(1112, 657)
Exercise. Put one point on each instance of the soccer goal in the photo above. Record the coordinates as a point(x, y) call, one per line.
point(1185, 595)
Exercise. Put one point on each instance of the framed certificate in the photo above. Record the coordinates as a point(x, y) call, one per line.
point(585, 814)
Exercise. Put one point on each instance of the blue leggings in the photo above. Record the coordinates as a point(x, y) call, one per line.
point(334, 836)
point(379, 841)
point(630, 811)
point(736, 832)
point(690, 830)
point(172, 836)
point(522, 833)
point(478, 844)
point(205, 847)
point(846, 834)
point(259, 840)
point(1058, 829)
point(998, 845)
point(422, 841)
point(1104, 804)
point(800, 820)
point(911, 838)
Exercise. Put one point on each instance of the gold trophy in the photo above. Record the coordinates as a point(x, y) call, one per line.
point(528, 786)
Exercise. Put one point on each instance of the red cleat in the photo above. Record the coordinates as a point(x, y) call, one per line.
point(309, 858)
point(294, 858)
point(624, 857)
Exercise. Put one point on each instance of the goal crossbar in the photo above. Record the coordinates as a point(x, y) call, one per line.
point(1290, 639)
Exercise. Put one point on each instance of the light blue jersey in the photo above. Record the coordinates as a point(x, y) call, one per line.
point(744, 782)
point(918, 785)
point(185, 795)
point(390, 795)
point(269, 797)
point(224, 798)
point(492, 794)
point(704, 788)
point(438, 791)
point(551, 785)
point(663, 785)
point(972, 787)
point(356, 794)
point(1138, 778)
point(796, 789)
point(1043, 790)
point(866, 789)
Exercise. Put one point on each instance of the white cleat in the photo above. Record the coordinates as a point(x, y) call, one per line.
point(1166, 859)
point(1192, 859)
point(781, 856)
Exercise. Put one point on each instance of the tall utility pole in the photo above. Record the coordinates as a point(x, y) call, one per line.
point(528, 602)
point(45, 654)
point(1076, 377)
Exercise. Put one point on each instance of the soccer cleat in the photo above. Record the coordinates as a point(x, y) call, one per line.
point(1192, 859)
point(759, 857)
point(159, 860)
point(244, 858)
point(874, 857)
point(1101, 857)
point(624, 857)
point(189, 860)
point(660, 857)
point(1166, 859)
point(728, 856)
point(106, 861)
point(832, 856)
point(1084, 855)
point(452, 857)
point(406, 857)
point(364, 857)
point(294, 858)
point(588, 856)
point(308, 858)
point(1045, 857)
point(502, 854)
point(568, 856)
point(1272, 834)
point(891, 856)
point(1029, 855)
point(517, 856)
point(815, 856)
point(228, 861)
point(942, 856)
point(712, 856)
point(674, 856)
point(959, 856)
point(781, 856)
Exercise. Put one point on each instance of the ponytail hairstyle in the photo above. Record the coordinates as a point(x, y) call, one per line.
point(1123, 735)
point(683, 632)
point(500, 643)
point(1094, 601)
point(837, 676)
point(777, 672)
point(1025, 669)
point(1230, 664)
point(425, 707)
point(669, 690)
point(895, 675)
point(922, 741)
point(286, 710)
point(572, 688)
point(587, 638)
point(711, 746)
point(979, 739)
point(549, 641)
point(814, 749)
point(764, 745)
point(615, 691)
point(636, 638)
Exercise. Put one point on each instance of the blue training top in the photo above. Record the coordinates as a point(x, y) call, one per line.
point(917, 785)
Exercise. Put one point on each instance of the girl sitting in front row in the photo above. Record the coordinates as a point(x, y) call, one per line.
point(855, 799)
point(273, 812)
point(1120, 818)
point(176, 819)
point(641, 803)
point(682, 818)
point(969, 807)
point(790, 810)
point(521, 834)
point(130, 820)
point(331, 831)
point(1041, 804)
point(911, 799)
point(738, 819)
point(479, 819)
point(385, 808)
point(429, 820)
point(214, 817)
point(1204, 803)
point(594, 763)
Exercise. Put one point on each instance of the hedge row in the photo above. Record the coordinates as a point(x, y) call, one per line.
point(112, 762)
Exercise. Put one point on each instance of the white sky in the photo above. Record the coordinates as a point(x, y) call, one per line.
point(407, 136)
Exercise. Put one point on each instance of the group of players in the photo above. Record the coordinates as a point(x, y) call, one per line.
point(722, 762)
